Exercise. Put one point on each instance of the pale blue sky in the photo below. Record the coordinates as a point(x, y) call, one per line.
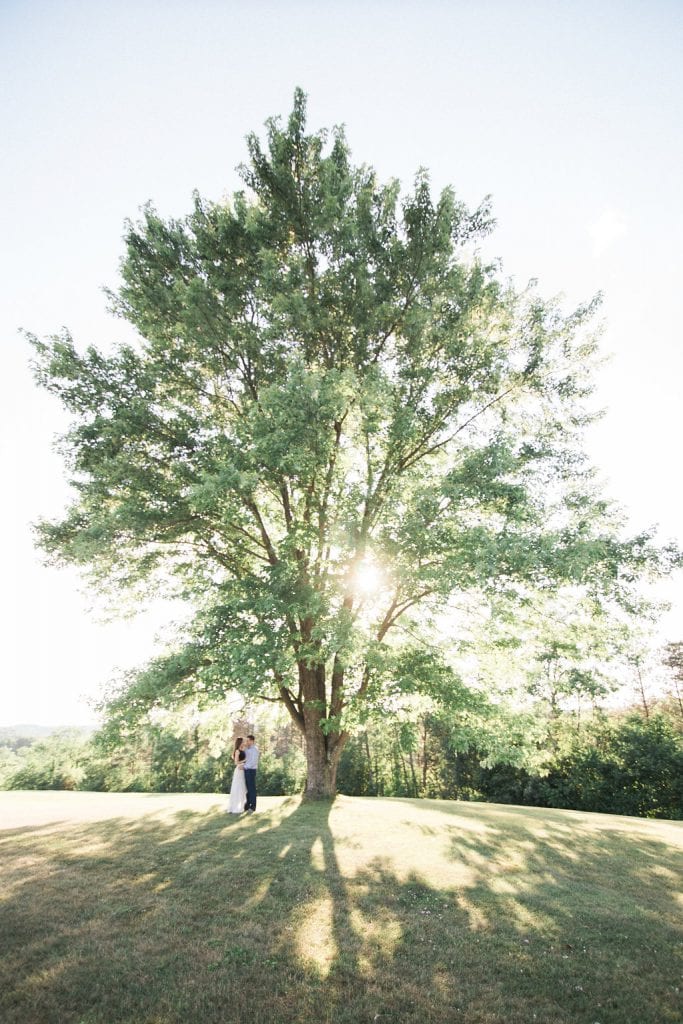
point(569, 114)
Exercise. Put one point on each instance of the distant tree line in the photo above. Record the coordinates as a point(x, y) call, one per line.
point(629, 762)
point(617, 764)
point(157, 757)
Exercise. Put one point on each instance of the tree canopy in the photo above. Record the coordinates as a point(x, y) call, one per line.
point(336, 414)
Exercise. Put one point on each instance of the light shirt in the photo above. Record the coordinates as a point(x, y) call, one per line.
point(251, 759)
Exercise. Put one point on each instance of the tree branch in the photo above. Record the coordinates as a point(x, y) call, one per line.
point(272, 554)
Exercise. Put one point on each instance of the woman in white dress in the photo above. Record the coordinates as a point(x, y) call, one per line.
point(238, 789)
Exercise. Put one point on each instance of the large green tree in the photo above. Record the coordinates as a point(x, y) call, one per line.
point(336, 414)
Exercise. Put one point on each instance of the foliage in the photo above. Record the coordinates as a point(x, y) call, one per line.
point(55, 762)
point(628, 764)
point(329, 387)
point(564, 650)
point(633, 766)
point(176, 755)
point(9, 763)
point(613, 764)
point(673, 660)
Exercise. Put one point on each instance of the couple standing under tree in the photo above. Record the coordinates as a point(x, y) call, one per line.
point(243, 788)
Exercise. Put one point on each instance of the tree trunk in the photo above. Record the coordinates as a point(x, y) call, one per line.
point(641, 687)
point(371, 775)
point(321, 778)
point(322, 759)
point(424, 757)
point(411, 762)
point(677, 691)
point(323, 750)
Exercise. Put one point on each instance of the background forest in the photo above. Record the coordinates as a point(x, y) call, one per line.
point(577, 755)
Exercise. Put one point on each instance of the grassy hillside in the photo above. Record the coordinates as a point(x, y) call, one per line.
point(150, 909)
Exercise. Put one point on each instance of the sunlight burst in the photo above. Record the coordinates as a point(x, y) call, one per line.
point(367, 578)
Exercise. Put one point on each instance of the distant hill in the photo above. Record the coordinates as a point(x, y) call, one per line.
point(29, 731)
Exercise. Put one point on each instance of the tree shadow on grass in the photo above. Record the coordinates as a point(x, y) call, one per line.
point(594, 900)
point(288, 916)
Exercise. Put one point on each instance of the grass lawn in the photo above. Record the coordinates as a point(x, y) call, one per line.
point(152, 909)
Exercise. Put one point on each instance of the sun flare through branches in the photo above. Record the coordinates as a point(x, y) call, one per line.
point(368, 578)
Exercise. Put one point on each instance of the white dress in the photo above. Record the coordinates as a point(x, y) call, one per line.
point(238, 792)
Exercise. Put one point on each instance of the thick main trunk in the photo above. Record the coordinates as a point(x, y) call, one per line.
point(323, 747)
point(321, 778)
point(322, 758)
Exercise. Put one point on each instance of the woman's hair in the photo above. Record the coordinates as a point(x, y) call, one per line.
point(238, 743)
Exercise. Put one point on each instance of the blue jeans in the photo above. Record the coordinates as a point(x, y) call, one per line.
point(250, 780)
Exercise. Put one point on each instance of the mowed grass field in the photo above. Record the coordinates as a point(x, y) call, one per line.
point(152, 909)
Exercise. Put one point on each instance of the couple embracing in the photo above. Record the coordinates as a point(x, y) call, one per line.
point(243, 788)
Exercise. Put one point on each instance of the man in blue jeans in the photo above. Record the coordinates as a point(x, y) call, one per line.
point(250, 766)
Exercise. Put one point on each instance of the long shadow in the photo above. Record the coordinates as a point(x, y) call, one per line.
point(279, 918)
